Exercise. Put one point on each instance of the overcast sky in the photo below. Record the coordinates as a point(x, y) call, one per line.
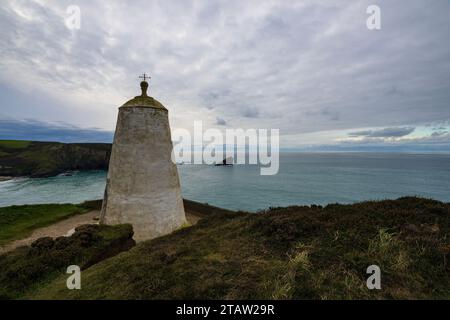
point(309, 68)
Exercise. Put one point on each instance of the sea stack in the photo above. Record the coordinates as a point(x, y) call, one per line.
point(142, 186)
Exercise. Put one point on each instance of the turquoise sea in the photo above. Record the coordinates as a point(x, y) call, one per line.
point(303, 179)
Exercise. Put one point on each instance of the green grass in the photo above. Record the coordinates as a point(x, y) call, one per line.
point(17, 222)
point(14, 144)
point(287, 253)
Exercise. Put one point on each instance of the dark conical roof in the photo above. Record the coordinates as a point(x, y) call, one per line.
point(144, 100)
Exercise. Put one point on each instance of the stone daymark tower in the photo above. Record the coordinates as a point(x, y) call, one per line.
point(142, 186)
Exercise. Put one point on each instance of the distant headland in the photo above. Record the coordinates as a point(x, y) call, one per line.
point(44, 159)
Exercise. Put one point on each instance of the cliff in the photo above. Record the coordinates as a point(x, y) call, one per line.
point(44, 159)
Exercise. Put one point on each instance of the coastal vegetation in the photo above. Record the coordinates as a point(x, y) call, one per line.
point(14, 144)
point(44, 159)
point(300, 252)
point(26, 269)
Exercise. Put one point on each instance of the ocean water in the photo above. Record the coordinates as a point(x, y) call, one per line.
point(303, 179)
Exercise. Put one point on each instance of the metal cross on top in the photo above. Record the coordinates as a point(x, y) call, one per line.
point(145, 77)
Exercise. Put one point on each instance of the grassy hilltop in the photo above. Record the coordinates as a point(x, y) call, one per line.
point(285, 253)
point(43, 159)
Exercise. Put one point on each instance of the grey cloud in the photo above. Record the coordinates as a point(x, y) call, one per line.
point(428, 144)
point(384, 133)
point(30, 129)
point(394, 90)
point(220, 122)
point(250, 112)
point(439, 133)
point(327, 114)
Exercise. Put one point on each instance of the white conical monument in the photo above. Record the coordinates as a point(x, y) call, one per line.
point(143, 187)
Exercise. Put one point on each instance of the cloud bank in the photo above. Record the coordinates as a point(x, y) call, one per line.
point(305, 67)
point(57, 132)
point(384, 133)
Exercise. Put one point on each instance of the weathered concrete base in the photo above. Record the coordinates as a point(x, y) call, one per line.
point(143, 186)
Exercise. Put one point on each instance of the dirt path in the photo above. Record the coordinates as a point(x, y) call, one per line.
point(61, 228)
point(67, 227)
